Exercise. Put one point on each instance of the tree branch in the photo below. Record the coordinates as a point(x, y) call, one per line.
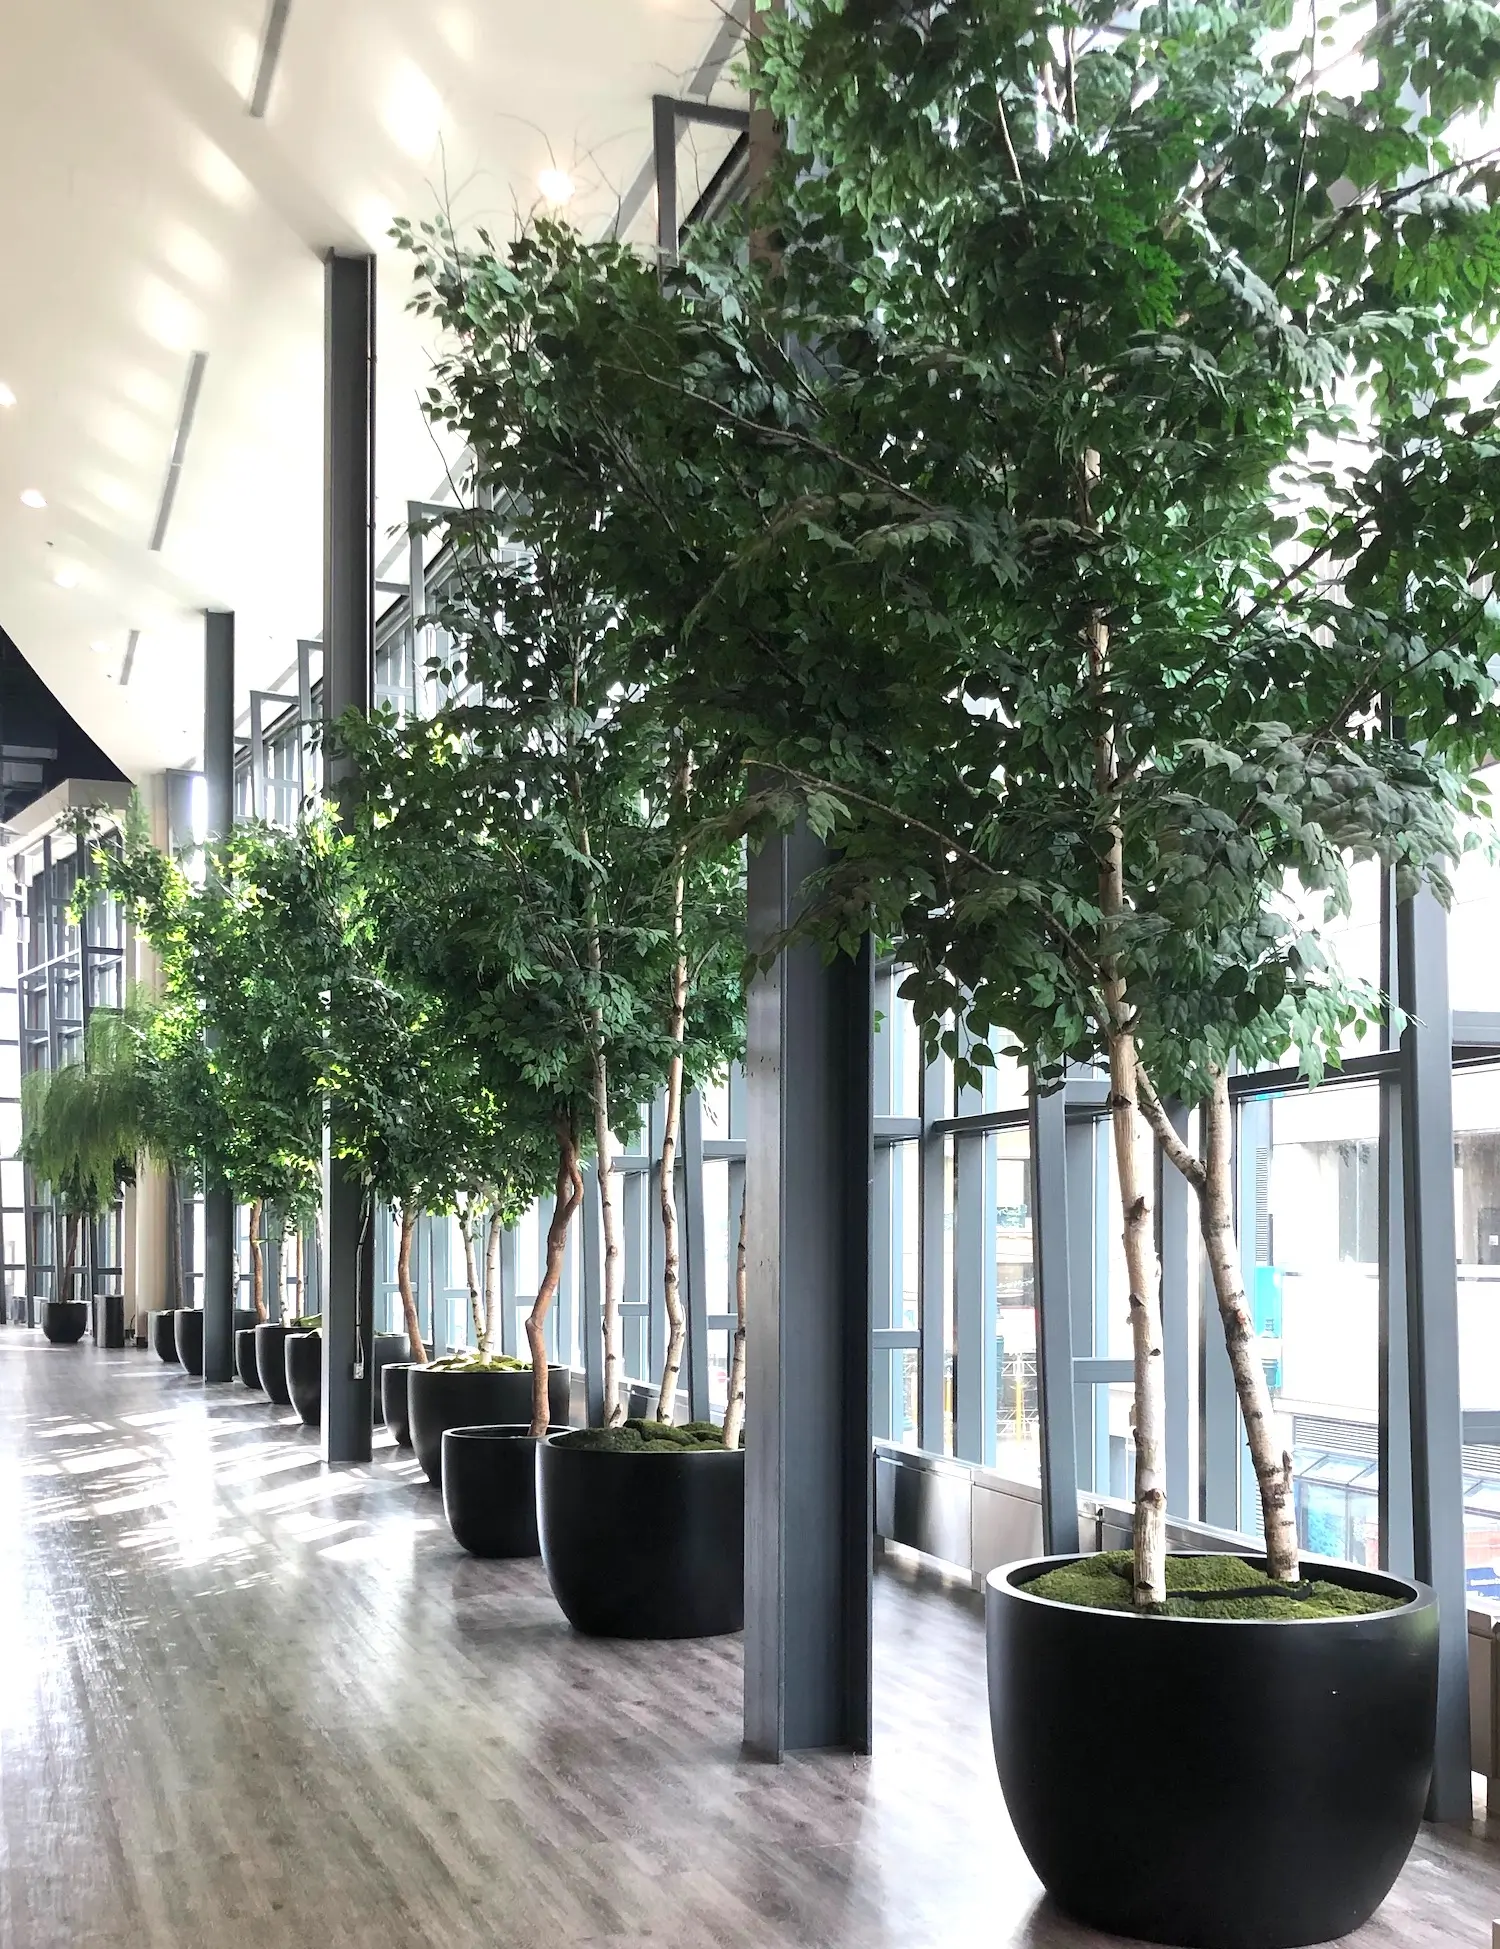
point(1172, 1145)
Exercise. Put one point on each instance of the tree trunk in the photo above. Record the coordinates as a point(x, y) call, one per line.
point(257, 1262)
point(471, 1269)
point(609, 1225)
point(491, 1279)
point(671, 1280)
point(569, 1197)
point(734, 1412)
point(1133, 1169)
point(1273, 1466)
point(403, 1283)
point(70, 1259)
point(174, 1238)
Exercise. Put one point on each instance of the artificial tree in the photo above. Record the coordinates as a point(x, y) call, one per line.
point(1087, 512)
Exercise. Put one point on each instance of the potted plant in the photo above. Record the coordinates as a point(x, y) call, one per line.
point(82, 1128)
point(302, 1367)
point(1039, 591)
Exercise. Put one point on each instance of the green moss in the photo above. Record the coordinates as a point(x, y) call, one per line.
point(307, 1322)
point(640, 1436)
point(1103, 1583)
point(473, 1363)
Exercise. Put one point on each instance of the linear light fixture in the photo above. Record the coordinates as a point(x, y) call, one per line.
point(129, 664)
point(270, 54)
point(179, 447)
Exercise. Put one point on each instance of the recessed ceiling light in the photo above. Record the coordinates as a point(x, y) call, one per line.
point(7, 397)
point(99, 649)
point(33, 497)
point(66, 578)
point(556, 185)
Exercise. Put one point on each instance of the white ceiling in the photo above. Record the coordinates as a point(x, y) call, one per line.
point(149, 216)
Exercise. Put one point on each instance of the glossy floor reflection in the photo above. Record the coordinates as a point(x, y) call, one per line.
point(249, 1700)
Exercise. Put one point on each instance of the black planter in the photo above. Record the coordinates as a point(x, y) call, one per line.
point(162, 1329)
point(644, 1545)
point(65, 1320)
point(109, 1320)
point(244, 1357)
point(389, 1348)
point(1269, 1789)
point(188, 1327)
point(394, 1408)
point(439, 1398)
point(489, 1489)
point(304, 1376)
point(271, 1337)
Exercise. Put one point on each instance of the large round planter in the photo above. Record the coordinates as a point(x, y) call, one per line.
point(187, 1326)
point(644, 1545)
point(271, 1337)
point(304, 1376)
point(489, 1489)
point(439, 1398)
point(188, 1329)
point(1224, 1784)
point(65, 1321)
point(389, 1348)
point(394, 1408)
point(244, 1357)
point(162, 1329)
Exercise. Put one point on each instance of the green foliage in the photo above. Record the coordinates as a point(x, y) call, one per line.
point(1105, 1583)
point(84, 1125)
point(1104, 453)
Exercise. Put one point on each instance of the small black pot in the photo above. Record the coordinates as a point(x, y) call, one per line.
point(244, 1357)
point(644, 1545)
point(389, 1347)
point(489, 1489)
point(271, 1337)
point(439, 1398)
point(304, 1376)
point(162, 1329)
point(394, 1409)
point(65, 1320)
point(109, 1320)
point(1270, 1794)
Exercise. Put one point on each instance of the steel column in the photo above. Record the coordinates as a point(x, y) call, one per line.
point(218, 783)
point(1054, 1319)
point(809, 1475)
point(593, 1299)
point(348, 685)
point(1432, 1326)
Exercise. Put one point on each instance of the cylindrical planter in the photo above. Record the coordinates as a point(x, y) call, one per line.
point(439, 1398)
point(109, 1320)
point(162, 1329)
point(187, 1326)
point(394, 1409)
point(389, 1348)
point(1265, 1784)
point(65, 1320)
point(244, 1357)
point(489, 1489)
point(271, 1337)
point(644, 1544)
point(304, 1376)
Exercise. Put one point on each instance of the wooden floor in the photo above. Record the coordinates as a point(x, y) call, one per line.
point(246, 1700)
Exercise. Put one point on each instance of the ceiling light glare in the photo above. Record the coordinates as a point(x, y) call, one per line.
point(66, 578)
point(99, 649)
point(7, 397)
point(33, 497)
point(556, 185)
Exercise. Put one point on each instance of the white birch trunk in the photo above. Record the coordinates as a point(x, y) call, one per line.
point(404, 1286)
point(257, 1261)
point(609, 1226)
point(491, 1281)
point(471, 1269)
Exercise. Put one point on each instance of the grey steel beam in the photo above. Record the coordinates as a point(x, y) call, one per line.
point(1432, 1348)
point(593, 1298)
point(808, 1463)
point(931, 1262)
point(1055, 1364)
point(1393, 1421)
point(695, 1258)
point(348, 685)
point(218, 783)
point(1174, 1218)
